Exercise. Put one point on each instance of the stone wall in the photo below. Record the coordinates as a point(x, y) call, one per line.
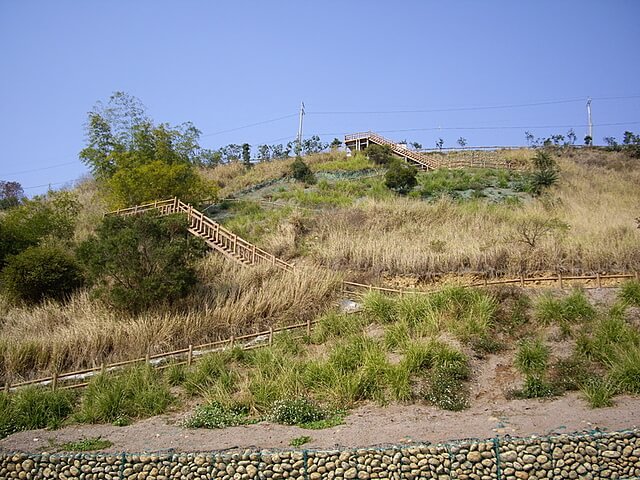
point(594, 456)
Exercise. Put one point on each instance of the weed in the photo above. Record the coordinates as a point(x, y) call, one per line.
point(299, 441)
point(217, 415)
point(446, 392)
point(379, 307)
point(569, 374)
point(296, 411)
point(331, 421)
point(397, 335)
point(630, 293)
point(535, 387)
point(572, 309)
point(176, 374)
point(532, 357)
point(598, 392)
point(86, 445)
point(485, 344)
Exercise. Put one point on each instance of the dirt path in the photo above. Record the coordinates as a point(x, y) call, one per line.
point(365, 426)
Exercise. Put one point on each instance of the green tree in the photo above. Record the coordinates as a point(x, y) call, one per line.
point(246, 155)
point(462, 142)
point(264, 153)
point(400, 177)
point(41, 272)
point(335, 144)
point(440, 144)
point(379, 154)
point(124, 144)
point(11, 194)
point(302, 172)
point(138, 262)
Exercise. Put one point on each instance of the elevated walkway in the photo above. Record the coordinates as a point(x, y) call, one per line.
point(360, 141)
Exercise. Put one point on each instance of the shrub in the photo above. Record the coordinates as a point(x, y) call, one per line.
point(532, 357)
point(41, 272)
point(379, 154)
point(598, 392)
point(134, 393)
point(296, 411)
point(302, 172)
point(400, 177)
point(217, 415)
point(535, 387)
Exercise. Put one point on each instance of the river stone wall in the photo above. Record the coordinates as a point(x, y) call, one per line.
point(594, 456)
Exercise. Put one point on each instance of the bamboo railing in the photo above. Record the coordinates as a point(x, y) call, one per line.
point(214, 234)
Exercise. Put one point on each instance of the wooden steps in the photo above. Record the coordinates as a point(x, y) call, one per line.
point(215, 235)
point(359, 141)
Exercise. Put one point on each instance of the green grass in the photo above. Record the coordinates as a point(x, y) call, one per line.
point(299, 441)
point(379, 307)
point(572, 309)
point(445, 182)
point(331, 421)
point(210, 374)
point(532, 357)
point(354, 163)
point(86, 445)
point(296, 412)
point(598, 392)
point(137, 392)
point(252, 221)
point(625, 369)
point(630, 293)
point(34, 407)
point(335, 325)
point(535, 386)
point(313, 197)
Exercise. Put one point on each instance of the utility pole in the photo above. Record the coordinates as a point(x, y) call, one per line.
point(300, 125)
point(589, 122)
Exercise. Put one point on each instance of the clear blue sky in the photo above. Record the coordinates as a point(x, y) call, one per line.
point(227, 64)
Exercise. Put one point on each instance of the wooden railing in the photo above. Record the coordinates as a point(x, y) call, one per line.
point(417, 157)
point(216, 236)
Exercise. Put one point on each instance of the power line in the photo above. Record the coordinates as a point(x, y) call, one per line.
point(48, 184)
point(463, 109)
point(38, 169)
point(249, 125)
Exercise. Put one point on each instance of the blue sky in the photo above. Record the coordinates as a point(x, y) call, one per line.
point(228, 64)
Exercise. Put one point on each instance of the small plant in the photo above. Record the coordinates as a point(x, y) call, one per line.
point(299, 441)
point(598, 392)
point(379, 154)
point(446, 392)
point(535, 387)
point(216, 415)
point(571, 309)
point(569, 374)
point(381, 308)
point(532, 357)
point(485, 344)
point(296, 411)
point(86, 445)
point(176, 374)
point(625, 369)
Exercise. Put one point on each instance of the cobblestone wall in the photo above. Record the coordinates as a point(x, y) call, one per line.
point(594, 456)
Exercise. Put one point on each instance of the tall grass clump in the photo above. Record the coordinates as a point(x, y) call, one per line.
point(216, 415)
point(625, 369)
point(532, 357)
point(137, 392)
point(335, 325)
point(630, 293)
point(34, 407)
point(210, 373)
point(598, 392)
point(571, 309)
point(379, 307)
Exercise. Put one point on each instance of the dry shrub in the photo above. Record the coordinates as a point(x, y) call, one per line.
point(232, 300)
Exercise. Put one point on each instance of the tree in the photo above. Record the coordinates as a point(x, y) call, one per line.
point(124, 144)
point(400, 177)
point(530, 138)
point(264, 153)
point(571, 137)
point(335, 144)
point(302, 172)
point(11, 194)
point(416, 145)
point(588, 141)
point(462, 142)
point(379, 154)
point(611, 142)
point(41, 272)
point(140, 262)
point(246, 155)
point(545, 173)
point(440, 144)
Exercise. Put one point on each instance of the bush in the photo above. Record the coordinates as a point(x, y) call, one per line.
point(140, 262)
point(216, 415)
point(41, 272)
point(400, 177)
point(535, 387)
point(379, 154)
point(302, 172)
point(295, 412)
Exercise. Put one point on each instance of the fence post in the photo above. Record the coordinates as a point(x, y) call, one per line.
point(560, 279)
point(54, 381)
point(232, 341)
point(598, 280)
point(103, 368)
point(522, 280)
point(308, 326)
point(190, 356)
point(270, 336)
point(7, 386)
point(146, 358)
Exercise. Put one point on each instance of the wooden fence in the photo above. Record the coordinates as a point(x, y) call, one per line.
point(186, 356)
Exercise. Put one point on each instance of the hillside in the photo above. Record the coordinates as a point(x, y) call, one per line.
point(454, 349)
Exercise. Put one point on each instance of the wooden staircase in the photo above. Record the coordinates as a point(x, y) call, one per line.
point(214, 234)
point(360, 141)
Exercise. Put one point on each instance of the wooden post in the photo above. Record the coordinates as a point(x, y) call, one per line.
point(232, 341)
point(308, 326)
point(485, 281)
point(598, 280)
point(190, 356)
point(522, 280)
point(146, 358)
point(7, 386)
point(270, 336)
point(560, 279)
point(54, 381)
point(253, 254)
point(103, 368)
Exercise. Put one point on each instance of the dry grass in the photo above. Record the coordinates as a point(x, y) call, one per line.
point(591, 211)
point(232, 300)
